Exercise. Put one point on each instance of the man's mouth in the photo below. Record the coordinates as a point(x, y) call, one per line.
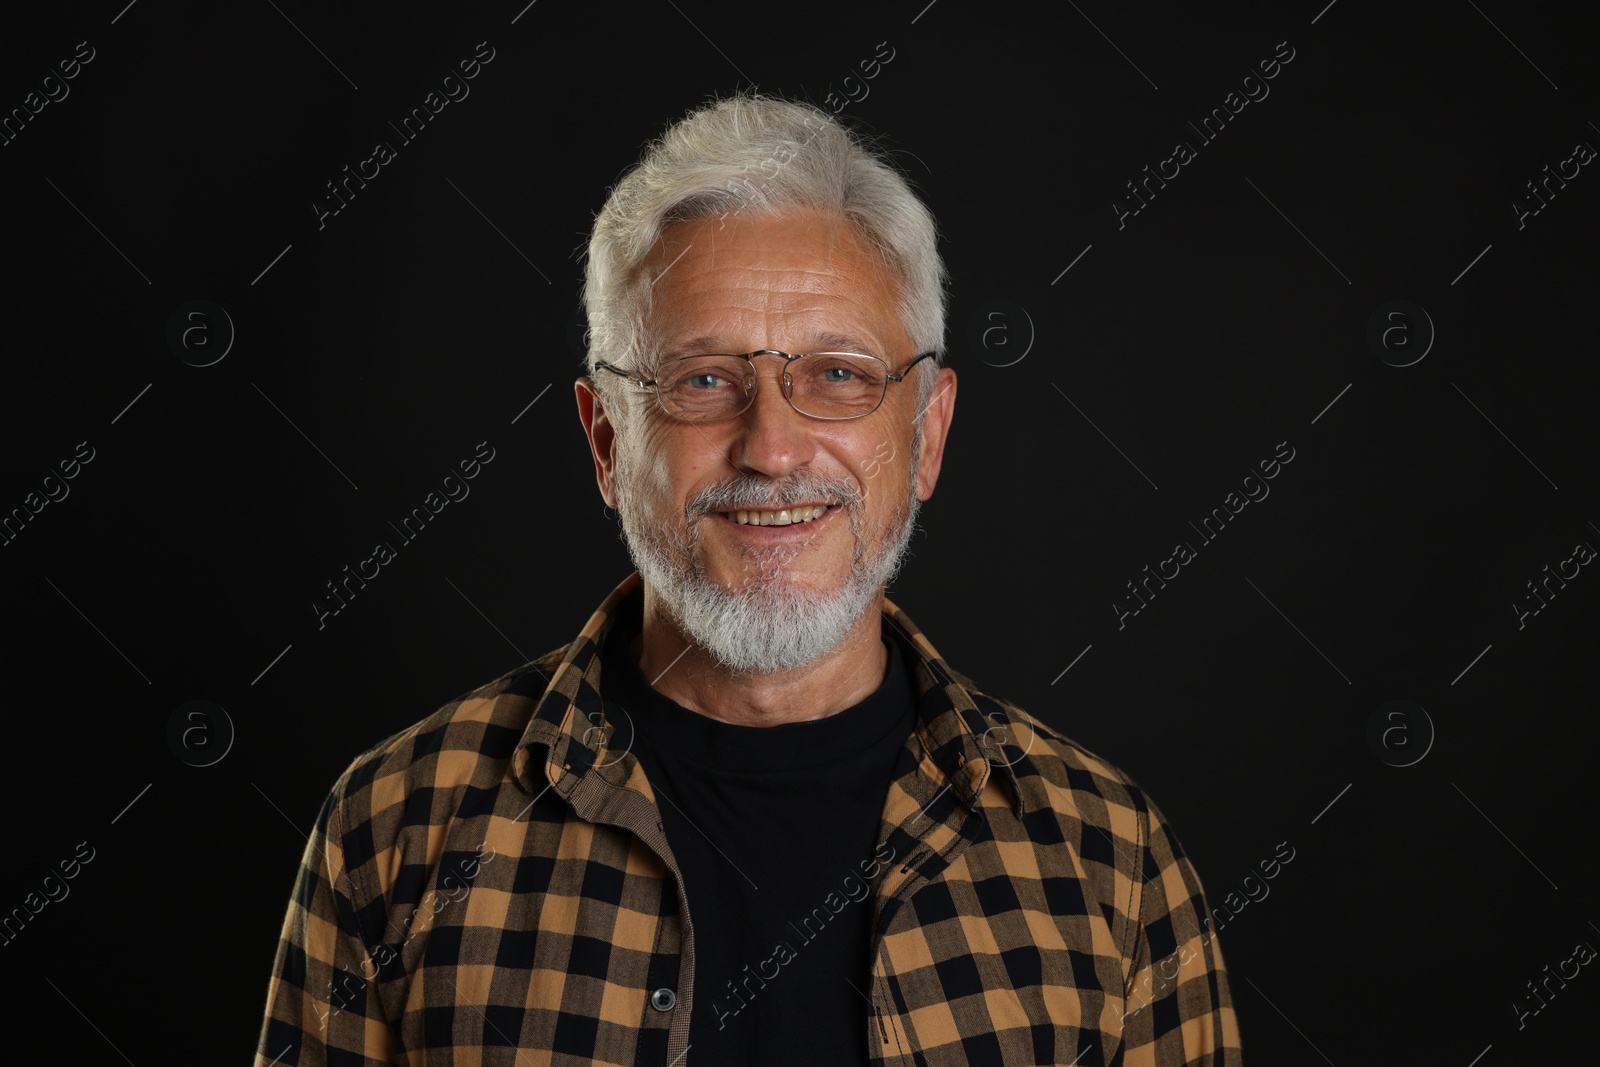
point(780, 517)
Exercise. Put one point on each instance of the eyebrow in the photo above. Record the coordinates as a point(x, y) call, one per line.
point(826, 341)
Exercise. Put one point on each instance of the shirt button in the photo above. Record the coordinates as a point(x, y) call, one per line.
point(663, 999)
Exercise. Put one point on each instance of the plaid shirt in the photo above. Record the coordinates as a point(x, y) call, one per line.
point(493, 886)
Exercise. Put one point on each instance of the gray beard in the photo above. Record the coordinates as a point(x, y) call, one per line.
point(768, 624)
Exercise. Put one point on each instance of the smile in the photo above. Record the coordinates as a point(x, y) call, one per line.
point(782, 517)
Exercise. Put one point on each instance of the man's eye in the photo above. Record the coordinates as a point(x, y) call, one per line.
point(705, 381)
point(835, 375)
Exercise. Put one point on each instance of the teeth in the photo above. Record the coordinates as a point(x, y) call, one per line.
point(784, 517)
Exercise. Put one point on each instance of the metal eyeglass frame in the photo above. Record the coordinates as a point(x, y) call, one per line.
point(755, 380)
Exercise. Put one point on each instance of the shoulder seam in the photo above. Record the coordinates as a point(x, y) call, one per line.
point(336, 828)
point(1136, 886)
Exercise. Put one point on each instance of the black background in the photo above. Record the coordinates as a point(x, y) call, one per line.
point(1222, 319)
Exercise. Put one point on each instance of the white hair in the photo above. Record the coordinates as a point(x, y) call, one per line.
point(758, 154)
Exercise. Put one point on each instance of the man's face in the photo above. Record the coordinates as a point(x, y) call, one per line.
point(767, 597)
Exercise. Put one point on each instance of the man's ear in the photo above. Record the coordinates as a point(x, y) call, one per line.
point(935, 431)
point(602, 434)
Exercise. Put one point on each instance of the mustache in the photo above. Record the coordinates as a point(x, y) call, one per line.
point(752, 490)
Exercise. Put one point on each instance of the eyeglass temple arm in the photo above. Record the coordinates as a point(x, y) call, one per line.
point(619, 372)
point(893, 377)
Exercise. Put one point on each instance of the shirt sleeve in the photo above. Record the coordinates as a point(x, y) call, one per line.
point(1179, 1011)
point(322, 1004)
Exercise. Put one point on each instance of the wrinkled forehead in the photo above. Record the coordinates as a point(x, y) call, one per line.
point(798, 281)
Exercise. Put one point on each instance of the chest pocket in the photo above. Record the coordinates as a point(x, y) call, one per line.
point(556, 947)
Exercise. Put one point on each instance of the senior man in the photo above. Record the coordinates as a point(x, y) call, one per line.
point(749, 815)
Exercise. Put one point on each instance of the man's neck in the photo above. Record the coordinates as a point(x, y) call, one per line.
point(690, 677)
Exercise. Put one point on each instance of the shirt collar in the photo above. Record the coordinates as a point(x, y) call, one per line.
point(569, 730)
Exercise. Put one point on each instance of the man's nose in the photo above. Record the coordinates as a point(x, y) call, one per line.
point(776, 438)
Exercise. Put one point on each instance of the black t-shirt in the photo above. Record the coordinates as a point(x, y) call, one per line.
point(774, 828)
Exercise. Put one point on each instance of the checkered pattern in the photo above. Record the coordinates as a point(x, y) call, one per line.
point(493, 886)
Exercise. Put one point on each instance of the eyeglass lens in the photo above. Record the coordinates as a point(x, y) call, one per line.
point(829, 385)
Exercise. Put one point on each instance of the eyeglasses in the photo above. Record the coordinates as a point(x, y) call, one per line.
point(823, 385)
